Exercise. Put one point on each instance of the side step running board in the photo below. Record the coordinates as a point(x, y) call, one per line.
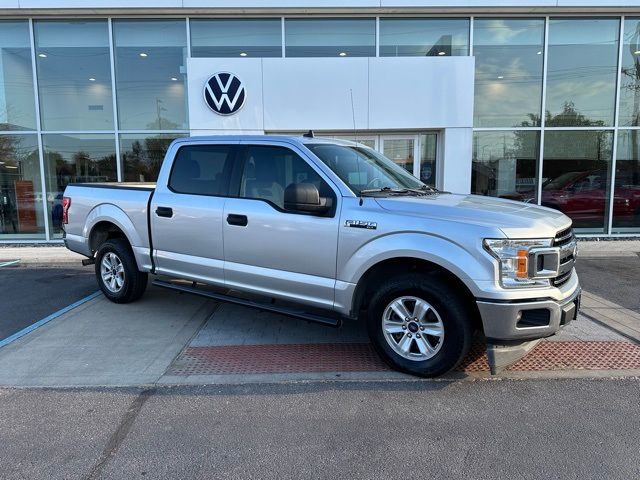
point(289, 312)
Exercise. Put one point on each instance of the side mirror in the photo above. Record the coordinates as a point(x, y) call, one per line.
point(305, 197)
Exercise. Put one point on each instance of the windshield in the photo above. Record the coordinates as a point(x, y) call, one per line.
point(561, 181)
point(362, 168)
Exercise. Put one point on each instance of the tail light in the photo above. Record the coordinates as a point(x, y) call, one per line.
point(66, 203)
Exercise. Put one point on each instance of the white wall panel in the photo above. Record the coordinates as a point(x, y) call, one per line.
point(315, 93)
point(421, 92)
point(455, 170)
point(249, 117)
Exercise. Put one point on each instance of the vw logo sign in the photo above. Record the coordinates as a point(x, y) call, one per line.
point(224, 93)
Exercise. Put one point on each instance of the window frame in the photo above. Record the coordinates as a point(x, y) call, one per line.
point(227, 171)
point(241, 162)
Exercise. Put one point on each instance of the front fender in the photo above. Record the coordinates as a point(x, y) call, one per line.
point(441, 251)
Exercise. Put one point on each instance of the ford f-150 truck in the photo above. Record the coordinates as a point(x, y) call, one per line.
point(340, 232)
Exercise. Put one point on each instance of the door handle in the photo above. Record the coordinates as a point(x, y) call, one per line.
point(164, 212)
point(239, 220)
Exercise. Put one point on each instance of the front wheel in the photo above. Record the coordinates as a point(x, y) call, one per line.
point(419, 325)
point(117, 272)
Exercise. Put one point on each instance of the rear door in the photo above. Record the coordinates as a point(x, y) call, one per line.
point(187, 209)
point(274, 251)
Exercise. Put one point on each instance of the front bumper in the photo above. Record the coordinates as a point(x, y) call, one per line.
point(526, 320)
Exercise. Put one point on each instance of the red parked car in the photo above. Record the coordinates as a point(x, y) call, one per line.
point(583, 196)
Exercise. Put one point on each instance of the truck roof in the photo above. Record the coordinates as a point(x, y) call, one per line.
point(294, 139)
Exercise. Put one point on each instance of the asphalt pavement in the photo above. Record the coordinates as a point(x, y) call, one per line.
point(408, 429)
point(616, 278)
point(30, 294)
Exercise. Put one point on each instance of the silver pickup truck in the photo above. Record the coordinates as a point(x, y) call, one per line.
point(327, 230)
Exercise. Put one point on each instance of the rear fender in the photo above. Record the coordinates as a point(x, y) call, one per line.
point(107, 212)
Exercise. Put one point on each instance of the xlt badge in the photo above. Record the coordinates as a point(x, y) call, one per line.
point(361, 224)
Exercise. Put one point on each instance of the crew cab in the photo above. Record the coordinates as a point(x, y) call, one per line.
point(341, 233)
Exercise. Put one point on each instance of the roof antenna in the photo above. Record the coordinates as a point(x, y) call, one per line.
point(309, 134)
point(355, 137)
point(353, 116)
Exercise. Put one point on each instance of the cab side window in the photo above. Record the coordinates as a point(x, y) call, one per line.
point(202, 169)
point(268, 171)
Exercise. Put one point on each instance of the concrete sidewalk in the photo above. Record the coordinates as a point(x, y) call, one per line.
point(103, 343)
point(39, 256)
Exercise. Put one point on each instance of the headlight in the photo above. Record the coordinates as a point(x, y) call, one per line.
point(525, 263)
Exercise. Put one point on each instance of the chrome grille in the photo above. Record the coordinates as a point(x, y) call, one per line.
point(566, 240)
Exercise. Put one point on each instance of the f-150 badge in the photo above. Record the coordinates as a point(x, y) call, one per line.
point(361, 224)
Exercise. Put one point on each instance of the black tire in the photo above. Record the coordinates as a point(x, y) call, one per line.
point(135, 281)
point(454, 317)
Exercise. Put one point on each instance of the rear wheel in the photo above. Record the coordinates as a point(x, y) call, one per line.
point(419, 325)
point(117, 272)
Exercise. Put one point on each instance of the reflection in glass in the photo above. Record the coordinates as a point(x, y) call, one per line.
point(402, 37)
point(400, 151)
point(151, 74)
point(626, 199)
point(74, 74)
point(20, 188)
point(17, 106)
point(576, 176)
point(428, 151)
point(581, 70)
point(630, 80)
point(235, 37)
point(505, 164)
point(330, 37)
point(509, 57)
point(75, 158)
point(142, 156)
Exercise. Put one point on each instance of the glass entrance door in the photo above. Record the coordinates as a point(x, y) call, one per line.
point(415, 152)
point(402, 150)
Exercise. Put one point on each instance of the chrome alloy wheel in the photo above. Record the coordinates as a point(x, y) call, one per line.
point(112, 272)
point(413, 328)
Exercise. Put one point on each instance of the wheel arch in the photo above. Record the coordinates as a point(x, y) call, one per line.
point(107, 221)
point(376, 274)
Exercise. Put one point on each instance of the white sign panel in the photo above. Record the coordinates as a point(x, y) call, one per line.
point(285, 94)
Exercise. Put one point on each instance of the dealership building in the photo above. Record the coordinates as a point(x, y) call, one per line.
point(531, 100)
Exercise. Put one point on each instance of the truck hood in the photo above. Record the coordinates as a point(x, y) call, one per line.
point(515, 219)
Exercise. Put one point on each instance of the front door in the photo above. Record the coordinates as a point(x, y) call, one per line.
point(274, 251)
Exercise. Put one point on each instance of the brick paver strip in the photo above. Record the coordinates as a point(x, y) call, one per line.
point(360, 357)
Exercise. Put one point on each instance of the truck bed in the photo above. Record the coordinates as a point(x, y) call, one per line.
point(125, 204)
point(118, 185)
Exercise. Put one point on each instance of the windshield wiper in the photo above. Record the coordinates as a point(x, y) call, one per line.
point(425, 190)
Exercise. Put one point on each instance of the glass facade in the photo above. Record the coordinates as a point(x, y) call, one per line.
point(101, 99)
point(330, 37)
point(150, 58)
point(626, 198)
point(581, 71)
point(236, 37)
point(576, 174)
point(630, 75)
point(74, 75)
point(142, 155)
point(509, 59)
point(17, 105)
point(21, 214)
point(70, 158)
point(505, 164)
point(410, 37)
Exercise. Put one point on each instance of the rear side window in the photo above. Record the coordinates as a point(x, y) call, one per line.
point(269, 170)
point(202, 169)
